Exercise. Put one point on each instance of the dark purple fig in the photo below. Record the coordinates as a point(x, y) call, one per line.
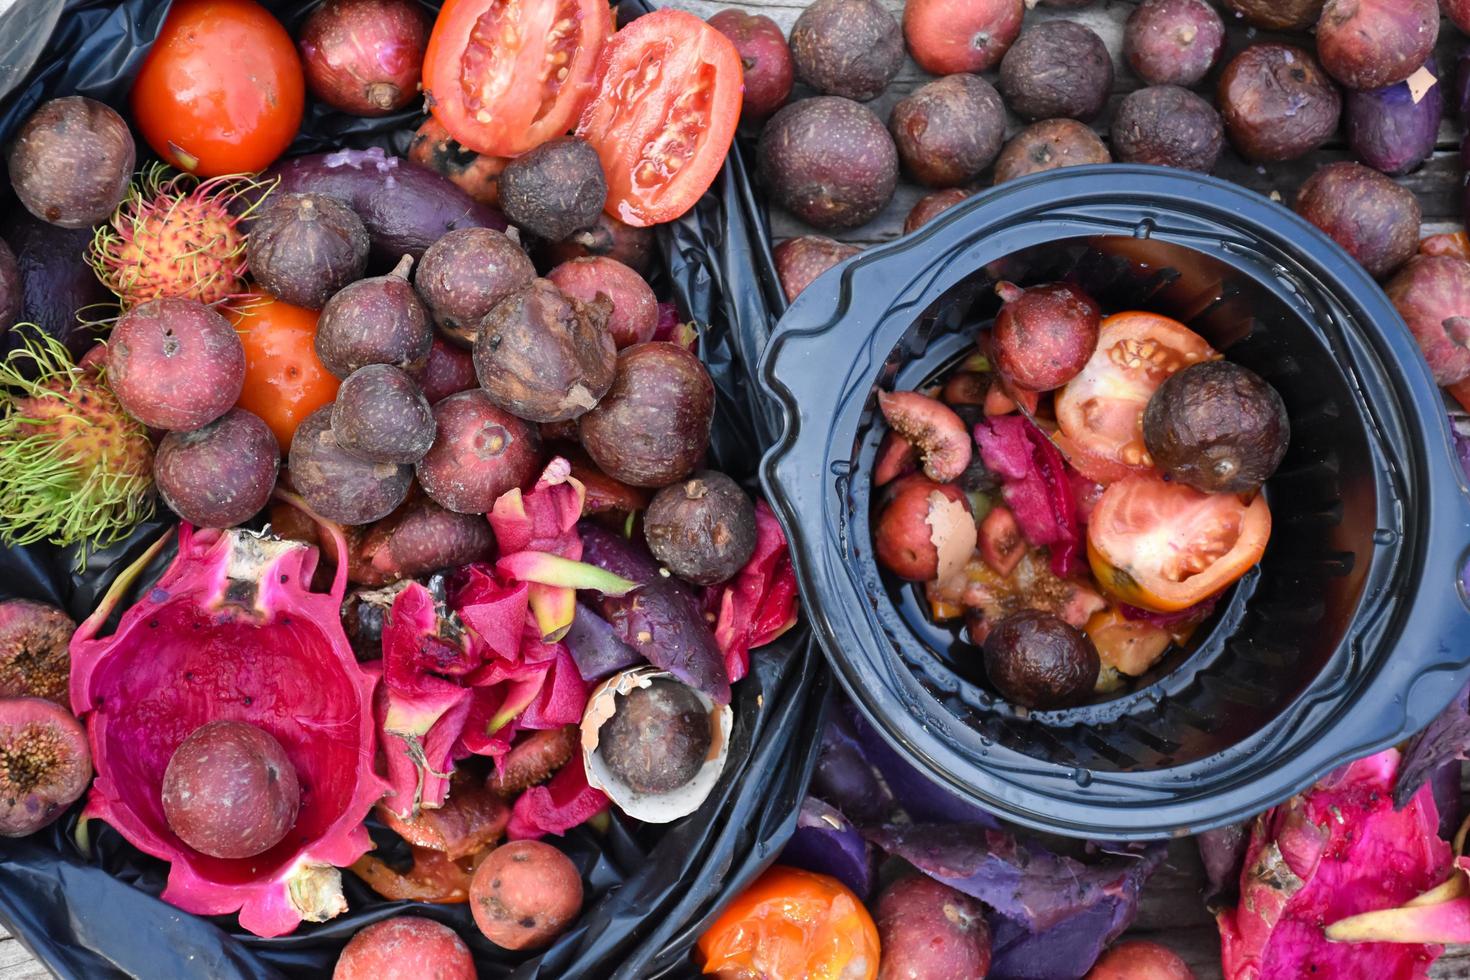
point(1277, 103)
point(554, 190)
point(1049, 145)
point(1367, 44)
point(381, 415)
point(422, 538)
point(1277, 15)
point(374, 321)
point(799, 261)
point(303, 248)
point(931, 206)
point(1375, 219)
point(464, 274)
point(1035, 660)
point(340, 485)
point(702, 528)
point(1173, 42)
point(229, 790)
point(220, 474)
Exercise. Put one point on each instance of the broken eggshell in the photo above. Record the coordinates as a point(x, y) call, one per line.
point(651, 807)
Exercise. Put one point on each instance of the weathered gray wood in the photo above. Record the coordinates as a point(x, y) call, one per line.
point(16, 962)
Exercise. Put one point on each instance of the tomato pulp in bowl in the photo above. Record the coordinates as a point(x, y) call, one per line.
point(1350, 634)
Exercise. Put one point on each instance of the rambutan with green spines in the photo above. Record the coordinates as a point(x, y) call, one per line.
point(174, 235)
point(75, 469)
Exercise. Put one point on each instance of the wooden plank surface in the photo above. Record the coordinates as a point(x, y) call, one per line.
point(1171, 912)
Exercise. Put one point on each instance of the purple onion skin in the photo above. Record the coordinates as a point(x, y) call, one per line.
point(1391, 132)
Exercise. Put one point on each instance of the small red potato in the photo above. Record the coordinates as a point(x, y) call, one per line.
point(1140, 960)
point(525, 894)
point(405, 948)
point(929, 931)
point(904, 540)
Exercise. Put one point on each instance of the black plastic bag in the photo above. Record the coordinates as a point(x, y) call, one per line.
point(93, 913)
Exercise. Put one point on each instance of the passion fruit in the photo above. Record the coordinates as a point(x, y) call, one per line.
point(229, 791)
point(658, 736)
point(702, 529)
point(1217, 427)
point(1035, 660)
point(851, 48)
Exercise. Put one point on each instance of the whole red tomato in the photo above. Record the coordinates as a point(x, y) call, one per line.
point(221, 90)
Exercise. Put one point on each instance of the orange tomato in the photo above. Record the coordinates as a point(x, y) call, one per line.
point(1129, 646)
point(792, 923)
point(284, 379)
point(221, 90)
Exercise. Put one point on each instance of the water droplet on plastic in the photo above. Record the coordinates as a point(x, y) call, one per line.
point(1144, 228)
point(1385, 535)
point(1082, 777)
point(841, 467)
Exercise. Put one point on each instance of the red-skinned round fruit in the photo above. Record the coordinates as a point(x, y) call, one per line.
point(407, 947)
point(951, 36)
point(764, 56)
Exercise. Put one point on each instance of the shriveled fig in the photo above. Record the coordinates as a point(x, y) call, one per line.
point(554, 190)
point(1168, 126)
point(449, 368)
point(634, 316)
point(71, 161)
point(545, 356)
point(951, 36)
point(1044, 336)
point(652, 427)
point(1217, 427)
point(1277, 103)
point(374, 321)
point(381, 415)
point(848, 48)
point(931, 205)
point(1173, 42)
point(799, 261)
point(220, 474)
point(175, 363)
point(658, 736)
point(1277, 15)
point(230, 791)
point(340, 485)
point(34, 662)
point(949, 130)
point(702, 528)
point(1057, 68)
point(829, 161)
point(765, 56)
point(1375, 219)
point(634, 247)
point(480, 451)
point(464, 274)
point(1049, 145)
point(1367, 44)
point(303, 248)
point(45, 764)
point(932, 427)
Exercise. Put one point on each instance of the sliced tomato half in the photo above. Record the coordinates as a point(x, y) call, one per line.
point(1100, 412)
point(668, 100)
point(505, 76)
point(1160, 545)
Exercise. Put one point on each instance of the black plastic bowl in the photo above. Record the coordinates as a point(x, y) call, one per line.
point(1352, 634)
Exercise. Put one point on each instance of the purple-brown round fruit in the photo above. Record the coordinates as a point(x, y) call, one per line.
point(407, 947)
point(554, 190)
point(448, 368)
point(927, 929)
point(658, 737)
point(848, 48)
point(1173, 42)
point(1057, 68)
point(947, 37)
point(1277, 103)
point(525, 894)
point(1044, 336)
point(653, 426)
point(35, 661)
point(1372, 217)
point(303, 248)
point(1168, 126)
point(229, 790)
point(1367, 44)
point(220, 474)
point(545, 356)
point(175, 363)
point(1037, 661)
point(374, 321)
point(1217, 427)
point(381, 414)
point(1049, 145)
point(10, 288)
point(702, 528)
point(799, 261)
point(949, 130)
point(1277, 15)
point(45, 764)
point(480, 451)
point(634, 316)
point(931, 206)
point(607, 236)
point(71, 161)
point(340, 485)
point(364, 57)
point(828, 161)
point(464, 274)
point(423, 537)
point(765, 56)
point(1395, 129)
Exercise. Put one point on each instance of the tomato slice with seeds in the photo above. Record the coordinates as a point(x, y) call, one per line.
point(1161, 545)
point(1100, 412)
point(505, 76)
point(667, 104)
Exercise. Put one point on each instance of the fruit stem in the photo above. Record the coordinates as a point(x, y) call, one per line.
point(404, 266)
point(120, 585)
point(339, 540)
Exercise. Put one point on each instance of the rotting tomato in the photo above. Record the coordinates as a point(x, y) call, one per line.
point(1129, 646)
point(222, 90)
point(667, 104)
point(505, 77)
point(792, 923)
point(1163, 546)
point(284, 380)
point(1100, 412)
